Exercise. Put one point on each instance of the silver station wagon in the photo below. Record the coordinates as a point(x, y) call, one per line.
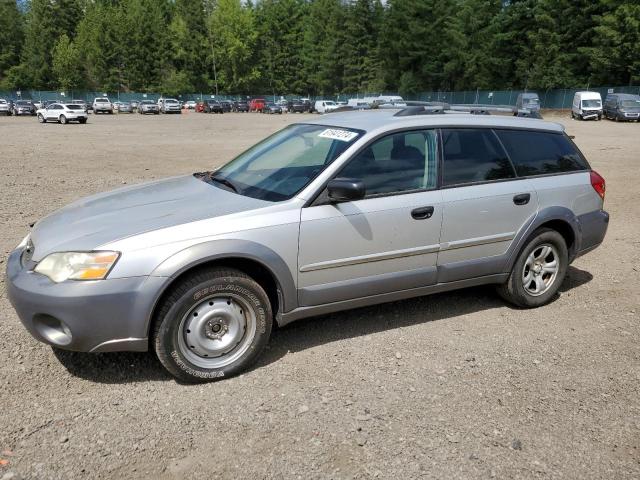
point(349, 210)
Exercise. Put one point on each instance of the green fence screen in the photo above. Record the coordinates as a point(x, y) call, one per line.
point(552, 99)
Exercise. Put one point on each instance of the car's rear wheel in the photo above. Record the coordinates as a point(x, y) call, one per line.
point(214, 324)
point(63, 120)
point(538, 271)
point(41, 118)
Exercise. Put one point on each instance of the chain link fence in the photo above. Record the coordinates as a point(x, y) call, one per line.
point(549, 99)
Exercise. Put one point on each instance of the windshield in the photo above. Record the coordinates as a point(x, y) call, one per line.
point(147, 102)
point(631, 103)
point(530, 101)
point(591, 104)
point(329, 103)
point(23, 102)
point(280, 166)
point(3, 101)
point(170, 100)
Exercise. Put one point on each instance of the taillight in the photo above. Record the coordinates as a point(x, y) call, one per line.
point(598, 184)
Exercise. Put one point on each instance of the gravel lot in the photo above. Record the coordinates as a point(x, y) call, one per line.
point(455, 385)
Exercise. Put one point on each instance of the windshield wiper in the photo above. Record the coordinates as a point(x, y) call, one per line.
point(226, 182)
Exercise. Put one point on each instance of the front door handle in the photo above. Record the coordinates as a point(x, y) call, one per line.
point(422, 213)
point(522, 199)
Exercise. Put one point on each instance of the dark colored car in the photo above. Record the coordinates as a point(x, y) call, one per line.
point(622, 107)
point(298, 106)
point(212, 106)
point(240, 106)
point(24, 107)
point(272, 108)
point(226, 105)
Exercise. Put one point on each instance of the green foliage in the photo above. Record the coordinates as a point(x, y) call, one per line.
point(11, 39)
point(317, 47)
point(66, 64)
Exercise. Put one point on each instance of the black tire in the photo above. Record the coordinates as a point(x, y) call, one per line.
point(41, 118)
point(514, 290)
point(63, 120)
point(207, 287)
point(82, 120)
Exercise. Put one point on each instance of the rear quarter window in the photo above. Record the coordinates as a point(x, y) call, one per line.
point(540, 153)
point(473, 156)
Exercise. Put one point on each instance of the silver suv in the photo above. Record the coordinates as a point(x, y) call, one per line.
point(348, 210)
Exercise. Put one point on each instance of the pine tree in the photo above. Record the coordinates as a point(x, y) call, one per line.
point(11, 39)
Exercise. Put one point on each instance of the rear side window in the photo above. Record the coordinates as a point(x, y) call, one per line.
point(472, 156)
point(539, 153)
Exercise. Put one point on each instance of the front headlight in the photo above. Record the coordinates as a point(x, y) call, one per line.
point(63, 266)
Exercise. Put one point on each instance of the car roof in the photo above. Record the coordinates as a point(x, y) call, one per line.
point(384, 119)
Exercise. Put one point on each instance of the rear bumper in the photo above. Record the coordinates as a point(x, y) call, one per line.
point(593, 228)
point(92, 316)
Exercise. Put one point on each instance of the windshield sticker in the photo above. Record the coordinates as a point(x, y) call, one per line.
point(337, 134)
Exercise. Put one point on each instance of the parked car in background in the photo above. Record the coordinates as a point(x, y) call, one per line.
point(24, 107)
point(358, 104)
point(297, 106)
point(134, 104)
point(190, 105)
point(622, 107)
point(169, 105)
point(102, 105)
point(325, 106)
point(200, 268)
point(256, 104)
point(240, 106)
point(84, 104)
point(284, 105)
point(125, 107)
point(586, 106)
point(200, 107)
point(62, 113)
point(212, 106)
point(227, 105)
point(528, 101)
point(148, 106)
point(46, 103)
point(271, 108)
point(5, 107)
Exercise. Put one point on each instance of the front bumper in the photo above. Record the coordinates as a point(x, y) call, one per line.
point(85, 316)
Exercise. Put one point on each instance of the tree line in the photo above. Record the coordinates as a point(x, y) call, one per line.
point(317, 47)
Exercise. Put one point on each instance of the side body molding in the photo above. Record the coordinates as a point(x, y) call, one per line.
point(224, 249)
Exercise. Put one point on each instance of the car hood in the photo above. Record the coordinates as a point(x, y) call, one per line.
point(107, 217)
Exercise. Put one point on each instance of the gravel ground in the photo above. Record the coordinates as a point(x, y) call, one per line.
point(455, 385)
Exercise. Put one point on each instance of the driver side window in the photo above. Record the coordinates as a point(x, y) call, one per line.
point(401, 162)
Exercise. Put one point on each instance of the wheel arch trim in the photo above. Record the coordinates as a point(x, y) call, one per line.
point(203, 253)
point(546, 215)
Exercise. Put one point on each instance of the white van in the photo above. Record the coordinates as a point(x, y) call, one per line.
point(587, 105)
point(325, 106)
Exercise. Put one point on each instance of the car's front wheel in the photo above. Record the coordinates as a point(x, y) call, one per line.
point(538, 271)
point(41, 118)
point(214, 324)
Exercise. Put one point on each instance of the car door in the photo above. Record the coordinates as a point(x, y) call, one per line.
point(385, 242)
point(52, 111)
point(485, 205)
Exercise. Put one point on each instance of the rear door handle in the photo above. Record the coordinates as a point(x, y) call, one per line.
point(522, 199)
point(422, 213)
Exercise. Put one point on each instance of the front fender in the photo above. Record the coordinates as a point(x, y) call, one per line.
point(205, 252)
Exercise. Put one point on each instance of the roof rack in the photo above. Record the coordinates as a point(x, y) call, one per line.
point(431, 108)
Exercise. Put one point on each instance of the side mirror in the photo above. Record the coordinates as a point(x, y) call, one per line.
point(345, 189)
